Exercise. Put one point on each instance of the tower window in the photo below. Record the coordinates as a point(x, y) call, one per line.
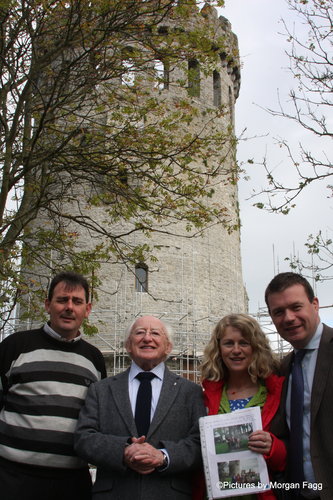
point(129, 73)
point(161, 69)
point(141, 278)
point(217, 88)
point(231, 105)
point(194, 78)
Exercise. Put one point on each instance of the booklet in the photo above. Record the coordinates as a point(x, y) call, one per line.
point(231, 469)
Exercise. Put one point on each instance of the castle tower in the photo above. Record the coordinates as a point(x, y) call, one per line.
point(193, 279)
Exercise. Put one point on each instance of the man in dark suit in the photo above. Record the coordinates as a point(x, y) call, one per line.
point(161, 463)
point(295, 313)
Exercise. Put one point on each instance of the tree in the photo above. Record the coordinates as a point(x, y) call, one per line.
point(320, 249)
point(310, 105)
point(84, 121)
point(310, 101)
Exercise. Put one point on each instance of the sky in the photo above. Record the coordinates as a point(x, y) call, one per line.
point(267, 239)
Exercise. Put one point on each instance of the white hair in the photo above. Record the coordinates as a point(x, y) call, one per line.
point(167, 329)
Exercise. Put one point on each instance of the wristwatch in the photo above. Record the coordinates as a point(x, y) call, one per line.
point(165, 462)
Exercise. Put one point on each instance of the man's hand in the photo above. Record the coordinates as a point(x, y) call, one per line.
point(142, 457)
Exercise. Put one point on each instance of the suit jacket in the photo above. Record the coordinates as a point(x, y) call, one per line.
point(106, 422)
point(321, 431)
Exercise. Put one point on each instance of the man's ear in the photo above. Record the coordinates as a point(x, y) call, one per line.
point(127, 345)
point(88, 309)
point(315, 302)
point(169, 347)
point(47, 305)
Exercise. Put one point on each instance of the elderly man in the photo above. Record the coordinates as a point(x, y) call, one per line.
point(308, 391)
point(133, 462)
point(44, 377)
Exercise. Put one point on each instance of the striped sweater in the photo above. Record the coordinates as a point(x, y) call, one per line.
point(43, 384)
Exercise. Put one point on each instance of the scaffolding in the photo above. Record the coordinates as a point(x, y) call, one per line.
point(279, 346)
point(189, 339)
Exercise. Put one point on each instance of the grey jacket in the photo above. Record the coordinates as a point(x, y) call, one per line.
point(106, 422)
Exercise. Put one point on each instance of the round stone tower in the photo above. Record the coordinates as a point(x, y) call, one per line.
point(194, 281)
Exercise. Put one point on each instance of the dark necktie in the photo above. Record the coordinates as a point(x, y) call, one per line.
point(143, 403)
point(296, 419)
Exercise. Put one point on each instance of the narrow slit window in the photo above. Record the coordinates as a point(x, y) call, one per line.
point(161, 69)
point(217, 88)
point(129, 73)
point(141, 278)
point(231, 106)
point(194, 78)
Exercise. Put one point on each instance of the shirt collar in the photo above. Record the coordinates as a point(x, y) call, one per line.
point(315, 340)
point(157, 370)
point(52, 333)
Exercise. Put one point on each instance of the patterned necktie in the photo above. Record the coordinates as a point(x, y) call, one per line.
point(296, 419)
point(143, 403)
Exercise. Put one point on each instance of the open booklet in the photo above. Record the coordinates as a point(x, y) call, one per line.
point(231, 469)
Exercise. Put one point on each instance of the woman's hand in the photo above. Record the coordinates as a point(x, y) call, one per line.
point(260, 442)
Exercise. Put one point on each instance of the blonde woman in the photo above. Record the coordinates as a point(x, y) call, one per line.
point(238, 372)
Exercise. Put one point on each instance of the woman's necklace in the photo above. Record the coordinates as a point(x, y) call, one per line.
point(246, 391)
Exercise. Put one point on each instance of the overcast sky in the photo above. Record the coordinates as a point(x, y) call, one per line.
point(268, 238)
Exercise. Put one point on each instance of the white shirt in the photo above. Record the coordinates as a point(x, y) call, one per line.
point(156, 385)
point(308, 367)
point(55, 335)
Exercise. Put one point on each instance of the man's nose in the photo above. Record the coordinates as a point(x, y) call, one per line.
point(289, 315)
point(147, 335)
